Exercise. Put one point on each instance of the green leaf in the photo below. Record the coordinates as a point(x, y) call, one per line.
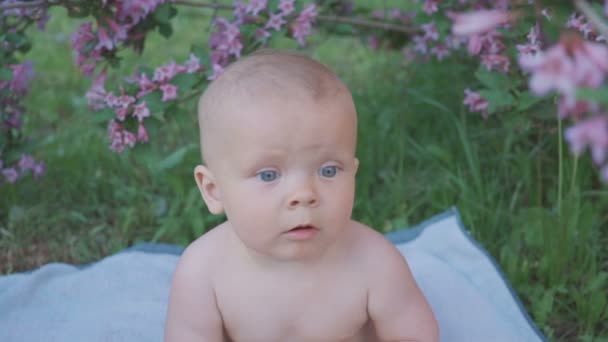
point(165, 30)
point(162, 14)
point(154, 102)
point(493, 80)
point(103, 116)
point(599, 95)
point(6, 74)
point(184, 82)
point(527, 100)
point(497, 99)
point(174, 158)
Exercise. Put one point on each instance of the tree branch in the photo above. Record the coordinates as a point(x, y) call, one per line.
point(327, 18)
point(215, 6)
point(203, 5)
point(39, 3)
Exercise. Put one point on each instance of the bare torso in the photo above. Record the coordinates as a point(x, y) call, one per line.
point(325, 304)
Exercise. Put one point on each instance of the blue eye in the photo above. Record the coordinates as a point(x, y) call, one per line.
point(328, 171)
point(267, 175)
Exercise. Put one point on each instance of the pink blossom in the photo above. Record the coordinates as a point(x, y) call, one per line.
point(430, 6)
point(124, 101)
point(592, 132)
point(11, 174)
point(96, 95)
point(104, 40)
point(420, 44)
point(145, 85)
point(121, 113)
point(141, 111)
point(275, 21)
point(495, 61)
point(217, 72)
point(142, 134)
point(301, 28)
point(475, 102)
point(440, 51)
point(192, 64)
point(168, 71)
point(120, 138)
point(26, 162)
point(120, 31)
point(570, 64)
point(39, 169)
point(262, 34)
point(478, 22)
point(286, 6)
point(169, 92)
point(240, 10)
point(430, 31)
point(22, 76)
point(256, 6)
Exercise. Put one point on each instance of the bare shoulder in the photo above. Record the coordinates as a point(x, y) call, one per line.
point(192, 313)
point(373, 248)
point(396, 305)
point(202, 254)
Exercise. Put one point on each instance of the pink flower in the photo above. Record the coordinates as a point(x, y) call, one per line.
point(39, 169)
point(192, 64)
point(275, 21)
point(301, 28)
point(26, 162)
point(430, 31)
point(262, 34)
point(478, 22)
point(217, 72)
point(570, 64)
point(142, 134)
point(11, 175)
point(97, 94)
point(495, 61)
point(22, 76)
point(475, 102)
point(592, 132)
point(104, 40)
point(141, 111)
point(168, 71)
point(440, 51)
point(169, 92)
point(145, 85)
point(256, 6)
point(286, 6)
point(120, 31)
point(430, 6)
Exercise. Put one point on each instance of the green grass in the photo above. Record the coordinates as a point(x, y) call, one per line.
point(421, 152)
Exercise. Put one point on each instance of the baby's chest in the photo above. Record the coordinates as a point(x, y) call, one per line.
point(310, 312)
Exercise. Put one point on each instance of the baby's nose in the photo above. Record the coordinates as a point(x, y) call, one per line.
point(304, 196)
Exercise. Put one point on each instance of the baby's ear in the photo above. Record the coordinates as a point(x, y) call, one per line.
point(209, 189)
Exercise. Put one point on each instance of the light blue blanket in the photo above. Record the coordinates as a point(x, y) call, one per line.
point(123, 297)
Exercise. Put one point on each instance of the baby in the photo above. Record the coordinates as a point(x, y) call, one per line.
point(278, 136)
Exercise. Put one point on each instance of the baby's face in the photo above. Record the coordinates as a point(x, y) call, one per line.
point(286, 175)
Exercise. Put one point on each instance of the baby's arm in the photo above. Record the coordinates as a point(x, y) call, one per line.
point(193, 314)
point(396, 305)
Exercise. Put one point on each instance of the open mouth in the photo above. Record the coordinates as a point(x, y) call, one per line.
point(303, 228)
point(302, 232)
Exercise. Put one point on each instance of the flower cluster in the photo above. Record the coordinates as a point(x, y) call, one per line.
point(116, 23)
point(25, 165)
point(133, 105)
point(227, 42)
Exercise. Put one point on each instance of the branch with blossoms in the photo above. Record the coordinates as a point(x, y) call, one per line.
point(573, 68)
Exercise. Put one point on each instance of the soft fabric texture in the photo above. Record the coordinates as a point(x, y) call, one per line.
point(123, 297)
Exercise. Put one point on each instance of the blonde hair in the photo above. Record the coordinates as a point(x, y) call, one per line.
point(280, 73)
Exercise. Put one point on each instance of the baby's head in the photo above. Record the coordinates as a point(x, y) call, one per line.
point(278, 137)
